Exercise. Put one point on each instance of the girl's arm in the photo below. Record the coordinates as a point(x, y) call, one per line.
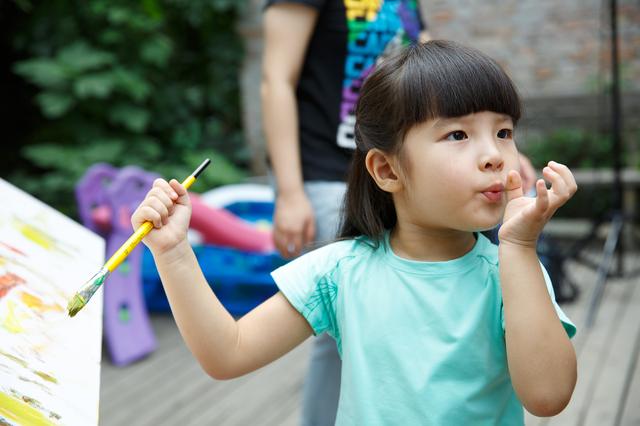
point(287, 31)
point(224, 347)
point(542, 361)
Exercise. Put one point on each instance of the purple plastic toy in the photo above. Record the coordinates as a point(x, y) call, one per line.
point(91, 195)
point(127, 328)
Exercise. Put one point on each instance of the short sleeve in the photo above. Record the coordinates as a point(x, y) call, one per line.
point(568, 325)
point(308, 284)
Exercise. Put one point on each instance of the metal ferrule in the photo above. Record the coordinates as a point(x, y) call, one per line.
point(89, 289)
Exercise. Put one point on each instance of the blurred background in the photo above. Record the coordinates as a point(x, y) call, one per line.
point(162, 84)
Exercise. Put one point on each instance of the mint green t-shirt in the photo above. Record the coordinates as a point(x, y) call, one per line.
point(422, 343)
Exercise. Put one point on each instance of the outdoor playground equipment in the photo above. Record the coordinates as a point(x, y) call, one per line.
point(236, 256)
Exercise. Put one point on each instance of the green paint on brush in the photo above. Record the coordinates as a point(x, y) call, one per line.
point(81, 298)
point(75, 305)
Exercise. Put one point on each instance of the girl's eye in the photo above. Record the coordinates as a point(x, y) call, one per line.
point(505, 134)
point(458, 135)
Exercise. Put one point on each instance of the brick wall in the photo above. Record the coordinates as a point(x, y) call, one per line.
point(557, 52)
point(550, 47)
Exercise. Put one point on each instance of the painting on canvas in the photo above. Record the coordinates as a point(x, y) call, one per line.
point(49, 362)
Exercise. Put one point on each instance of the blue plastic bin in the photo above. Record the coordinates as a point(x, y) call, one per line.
point(240, 279)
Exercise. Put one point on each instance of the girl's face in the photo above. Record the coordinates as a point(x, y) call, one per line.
point(454, 172)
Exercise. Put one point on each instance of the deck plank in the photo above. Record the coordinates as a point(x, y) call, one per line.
point(630, 414)
point(581, 275)
point(614, 368)
point(591, 349)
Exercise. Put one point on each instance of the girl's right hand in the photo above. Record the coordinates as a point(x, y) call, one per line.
point(167, 206)
point(525, 217)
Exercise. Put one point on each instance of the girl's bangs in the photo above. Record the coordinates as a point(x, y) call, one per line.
point(453, 83)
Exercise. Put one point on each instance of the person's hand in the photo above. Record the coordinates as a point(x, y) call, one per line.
point(528, 174)
point(293, 223)
point(525, 217)
point(167, 206)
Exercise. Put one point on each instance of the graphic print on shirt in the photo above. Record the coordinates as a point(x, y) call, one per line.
point(376, 29)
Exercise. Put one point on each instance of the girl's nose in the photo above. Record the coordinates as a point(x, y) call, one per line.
point(491, 159)
point(495, 164)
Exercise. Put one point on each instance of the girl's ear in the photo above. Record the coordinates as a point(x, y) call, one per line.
point(382, 168)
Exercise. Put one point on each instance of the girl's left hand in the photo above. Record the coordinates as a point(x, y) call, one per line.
point(525, 217)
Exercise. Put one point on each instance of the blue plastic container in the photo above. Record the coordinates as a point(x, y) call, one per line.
point(240, 279)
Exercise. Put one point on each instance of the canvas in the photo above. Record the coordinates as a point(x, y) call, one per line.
point(49, 362)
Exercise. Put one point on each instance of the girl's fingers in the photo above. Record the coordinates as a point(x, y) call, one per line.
point(160, 195)
point(542, 197)
point(559, 190)
point(148, 213)
point(181, 192)
point(157, 205)
point(166, 188)
point(513, 188)
point(563, 184)
point(177, 188)
point(567, 176)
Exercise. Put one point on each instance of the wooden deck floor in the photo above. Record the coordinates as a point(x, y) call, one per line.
point(169, 388)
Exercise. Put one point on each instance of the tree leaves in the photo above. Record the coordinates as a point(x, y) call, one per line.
point(151, 83)
point(80, 57)
point(133, 118)
point(43, 72)
point(54, 104)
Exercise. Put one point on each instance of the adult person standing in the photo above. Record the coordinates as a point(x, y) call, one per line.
point(317, 55)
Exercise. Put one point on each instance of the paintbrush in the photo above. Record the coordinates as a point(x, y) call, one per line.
point(82, 297)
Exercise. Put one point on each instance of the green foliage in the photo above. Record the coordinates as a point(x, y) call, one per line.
point(576, 148)
point(151, 83)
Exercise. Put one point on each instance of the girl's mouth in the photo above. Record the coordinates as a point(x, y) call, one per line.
point(493, 196)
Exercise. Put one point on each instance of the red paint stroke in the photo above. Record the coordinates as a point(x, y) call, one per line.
point(13, 249)
point(8, 281)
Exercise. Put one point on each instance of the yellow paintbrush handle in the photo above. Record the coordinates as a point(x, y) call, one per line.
point(121, 254)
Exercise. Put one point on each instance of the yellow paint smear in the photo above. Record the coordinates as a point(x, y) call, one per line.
point(21, 412)
point(46, 376)
point(10, 322)
point(35, 303)
point(36, 236)
point(14, 358)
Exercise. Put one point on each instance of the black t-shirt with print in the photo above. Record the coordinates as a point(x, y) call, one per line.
point(349, 37)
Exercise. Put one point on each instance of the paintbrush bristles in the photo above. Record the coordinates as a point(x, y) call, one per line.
point(75, 305)
point(87, 291)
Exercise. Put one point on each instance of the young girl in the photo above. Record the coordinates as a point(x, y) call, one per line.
point(434, 324)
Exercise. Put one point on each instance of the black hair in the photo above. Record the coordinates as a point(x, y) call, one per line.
point(422, 82)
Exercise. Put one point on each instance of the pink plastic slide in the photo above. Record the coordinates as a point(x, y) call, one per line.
point(220, 227)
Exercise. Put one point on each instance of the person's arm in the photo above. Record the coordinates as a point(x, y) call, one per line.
point(224, 347)
point(287, 30)
point(542, 361)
